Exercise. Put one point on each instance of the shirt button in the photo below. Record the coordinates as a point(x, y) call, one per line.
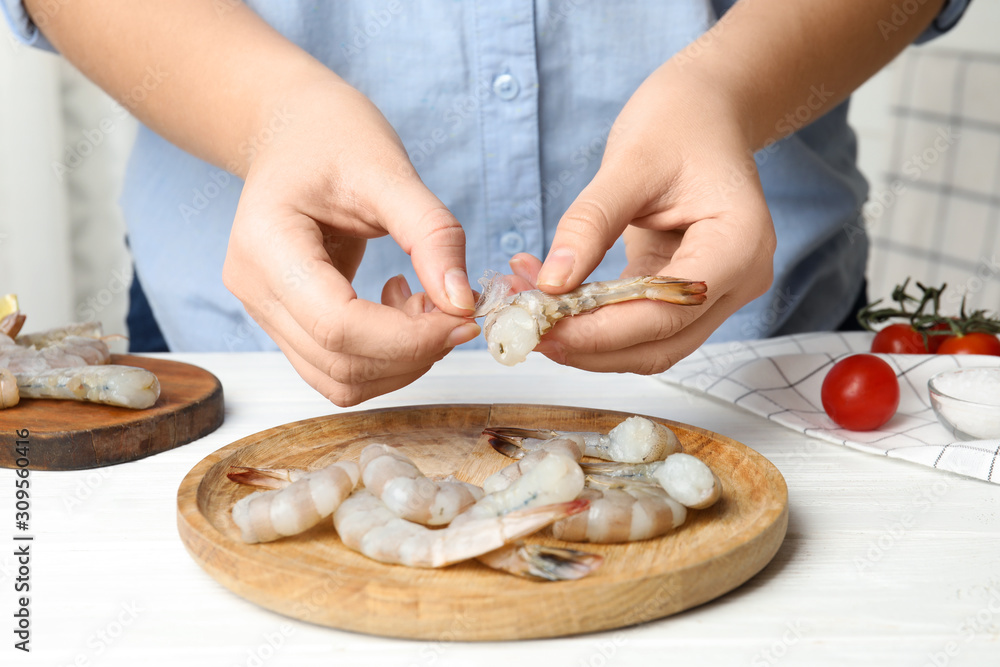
point(506, 87)
point(512, 243)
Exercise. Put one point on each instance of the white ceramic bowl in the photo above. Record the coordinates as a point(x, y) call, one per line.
point(967, 402)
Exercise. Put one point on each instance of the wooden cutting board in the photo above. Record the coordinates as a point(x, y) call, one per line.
point(71, 435)
point(313, 577)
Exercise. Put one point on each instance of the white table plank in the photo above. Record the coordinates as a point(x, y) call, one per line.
point(885, 562)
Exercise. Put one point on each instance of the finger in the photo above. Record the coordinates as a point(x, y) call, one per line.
point(590, 226)
point(345, 369)
point(396, 292)
point(346, 394)
point(526, 266)
point(427, 231)
point(324, 306)
point(649, 357)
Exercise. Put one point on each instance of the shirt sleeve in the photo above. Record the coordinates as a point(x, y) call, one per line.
point(946, 19)
point(21, 25)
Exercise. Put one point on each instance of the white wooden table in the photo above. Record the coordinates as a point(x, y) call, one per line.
point(885, 562)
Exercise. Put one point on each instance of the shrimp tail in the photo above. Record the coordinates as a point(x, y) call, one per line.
point(675, 290)
point(11, 324)
point(263, 478)
point(559, 564)
point(510, 441)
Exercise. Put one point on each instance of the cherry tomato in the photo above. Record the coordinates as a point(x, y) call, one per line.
point(899, 339)
point(861, 392)
point(973, 343)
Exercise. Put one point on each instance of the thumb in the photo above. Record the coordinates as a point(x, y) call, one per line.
point(589, 228)
point(435, 241)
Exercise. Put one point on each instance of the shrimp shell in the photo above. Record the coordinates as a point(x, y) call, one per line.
point(687, 479)
point(622, 513)
point(544, 563)
point(290, 507)
point(48, 337)
point(634, 440)
point(69, 352)
point(367, 526)
point(124, 386)
point(516, 322)
point(395, 479)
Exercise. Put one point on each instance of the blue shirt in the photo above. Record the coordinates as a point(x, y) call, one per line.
point(504, 108)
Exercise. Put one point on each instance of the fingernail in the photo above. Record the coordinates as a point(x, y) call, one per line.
point(557, 268)
point(404, 286)
point(463, 333)
point(456, 285)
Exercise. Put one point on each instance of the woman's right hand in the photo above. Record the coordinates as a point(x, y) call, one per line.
point(328, 173)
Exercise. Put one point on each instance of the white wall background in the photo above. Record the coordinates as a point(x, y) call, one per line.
point(61, 236)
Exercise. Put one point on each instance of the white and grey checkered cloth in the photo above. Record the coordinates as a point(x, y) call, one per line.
point(780, 378)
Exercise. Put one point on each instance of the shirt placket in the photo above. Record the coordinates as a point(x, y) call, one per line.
point(507, 69)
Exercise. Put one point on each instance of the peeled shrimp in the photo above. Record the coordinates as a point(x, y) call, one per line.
point(687, 479)
point(124, 386)
point(516, 322)
point(9, 394)
point(393, 478)
point(367, 526)
point(635, 440)
point(501, 479)
point(621, 512)
point(297, 499)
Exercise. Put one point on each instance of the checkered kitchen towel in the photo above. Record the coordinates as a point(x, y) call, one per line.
point(780, 378)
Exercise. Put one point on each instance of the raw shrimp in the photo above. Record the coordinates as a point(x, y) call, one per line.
point(687, 479)
point(51, 336)
point(393, 478)
point(69, 352)
point(554, 478)
point(367, 526)
point(621, 512)
point(516, 322)
point(9, 394)
point(635, 440)
point(124, 386)
point(297, 499)
point(501, 479)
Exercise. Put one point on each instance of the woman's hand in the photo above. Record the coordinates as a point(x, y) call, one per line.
point(333, 175)
point(679, 180)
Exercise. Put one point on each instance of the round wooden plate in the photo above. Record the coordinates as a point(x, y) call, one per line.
point(313, 577)
point(72, 435)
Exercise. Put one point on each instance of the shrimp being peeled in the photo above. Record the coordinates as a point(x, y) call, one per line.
point(621, 512)
point(635, 440)
point(296, 500)
point(367, 526)
point(516, 322)
point(123, 386)
point(393, 478)
point(687, 479)
point(52, 336)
